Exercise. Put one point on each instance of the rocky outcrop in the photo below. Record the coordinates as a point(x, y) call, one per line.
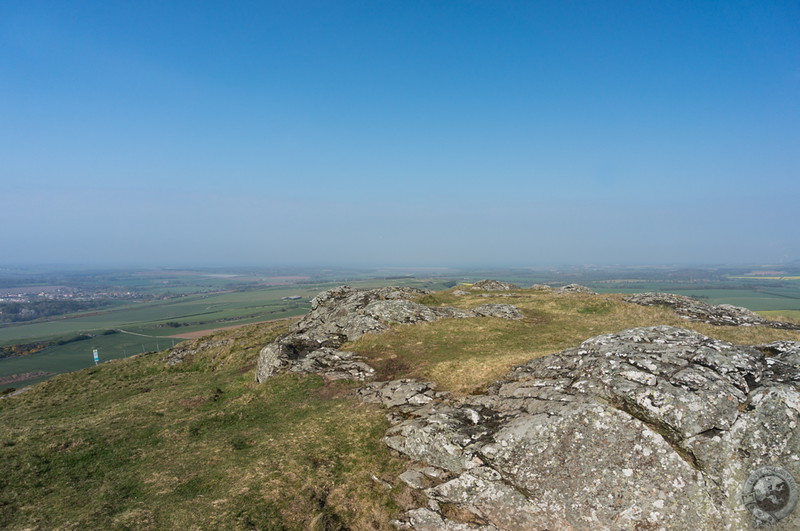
point(494, 285)
point(575, 288)
point(650, 428)
point(503, 311)
point(541, 287)
point(694, 310)
point(345, 314)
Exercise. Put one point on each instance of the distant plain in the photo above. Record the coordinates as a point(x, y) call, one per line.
point(174, 305)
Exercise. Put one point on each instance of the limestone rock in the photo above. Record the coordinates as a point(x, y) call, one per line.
point(694, 310)
point(655, 427)
point(494, 285)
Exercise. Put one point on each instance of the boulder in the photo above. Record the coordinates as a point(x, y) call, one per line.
point(695, 310)
point(541, 287)
point(503, 311)
point(575, 288)
point(657, 428)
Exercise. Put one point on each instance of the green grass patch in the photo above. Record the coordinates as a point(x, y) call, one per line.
point(133, 444)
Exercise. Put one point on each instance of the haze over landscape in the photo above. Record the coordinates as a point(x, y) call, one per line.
point(399, 133)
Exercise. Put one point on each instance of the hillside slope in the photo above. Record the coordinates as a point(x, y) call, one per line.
point(140, 443)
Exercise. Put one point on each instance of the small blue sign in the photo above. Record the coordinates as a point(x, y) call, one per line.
point(96, 356)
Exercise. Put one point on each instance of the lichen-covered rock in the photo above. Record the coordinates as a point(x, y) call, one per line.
point(339, 315)
point(400, 311)
point(424, 519)
point(334, 364)
point(656, 428)
point(345, 314)
point(406, 394)
point(575, 288)
point(494, 285)
point(694, 310)
point(503, 311)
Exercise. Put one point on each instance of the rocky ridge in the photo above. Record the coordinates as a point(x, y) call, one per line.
point(345, 314)
point(494, 285)
point(649, 428)
point(655, 428)
point(695, 310)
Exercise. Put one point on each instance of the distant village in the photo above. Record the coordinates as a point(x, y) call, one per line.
point(56, 293)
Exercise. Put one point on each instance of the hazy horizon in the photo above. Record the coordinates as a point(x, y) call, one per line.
point(489, 134)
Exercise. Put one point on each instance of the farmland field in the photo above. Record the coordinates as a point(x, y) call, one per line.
point(132, 328)
point(177, 304)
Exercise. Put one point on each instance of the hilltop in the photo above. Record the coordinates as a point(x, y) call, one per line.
point(187, 437)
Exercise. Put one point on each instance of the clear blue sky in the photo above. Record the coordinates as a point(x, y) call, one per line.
point(401, 132)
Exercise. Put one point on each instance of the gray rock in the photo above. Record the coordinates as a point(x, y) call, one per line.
point(694, 310)
point(453, 313)
point(414, 479)
point(337, 316)
point(334, 365)
point(345, 314)
point(406, 394)
point(541, 287)
point(400, 311)
point(424, 519)
point(575, 288)
point(503, 311)
point(654, 427)
point(494, 285)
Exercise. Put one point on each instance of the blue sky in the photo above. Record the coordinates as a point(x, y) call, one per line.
point(399, 132)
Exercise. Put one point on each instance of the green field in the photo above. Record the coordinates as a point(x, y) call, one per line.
point(208, 300)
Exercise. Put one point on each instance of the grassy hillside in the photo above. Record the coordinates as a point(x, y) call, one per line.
point(136, 444)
